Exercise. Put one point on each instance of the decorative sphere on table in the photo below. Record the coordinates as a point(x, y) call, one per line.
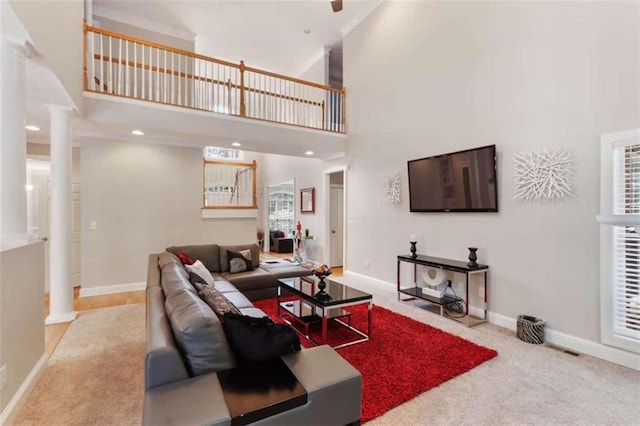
point(472, 257)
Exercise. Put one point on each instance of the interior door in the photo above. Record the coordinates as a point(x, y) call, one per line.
point(336, 223)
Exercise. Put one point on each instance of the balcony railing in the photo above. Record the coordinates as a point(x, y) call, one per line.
point(124, 66)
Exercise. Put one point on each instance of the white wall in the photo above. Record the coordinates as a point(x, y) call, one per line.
point(427, 78)
point(56, 29)
point(317, 72)
point(21, 316)
point(144, 198)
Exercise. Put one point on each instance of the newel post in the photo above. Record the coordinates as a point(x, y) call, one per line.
point(84, 54)
point(243, 107)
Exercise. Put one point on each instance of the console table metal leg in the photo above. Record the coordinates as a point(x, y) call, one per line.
point(466, 299)
point(369, 313)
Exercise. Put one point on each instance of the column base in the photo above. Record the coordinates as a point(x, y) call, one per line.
point(61, 318)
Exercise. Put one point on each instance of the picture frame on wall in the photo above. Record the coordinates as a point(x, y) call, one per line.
point(308, 200)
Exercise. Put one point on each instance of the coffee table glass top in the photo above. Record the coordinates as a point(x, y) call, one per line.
point(333, 294)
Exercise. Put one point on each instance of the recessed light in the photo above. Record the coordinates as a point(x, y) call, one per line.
point(236, 144)
point(307, 31)
point(32, 128)
point(137, 132)
point(309, 153)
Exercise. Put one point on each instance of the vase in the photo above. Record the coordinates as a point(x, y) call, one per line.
point(472, 257)
point(413, 249)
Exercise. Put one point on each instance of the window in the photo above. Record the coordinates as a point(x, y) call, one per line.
point(216, 153)
point(620, 241)
point(282, 212)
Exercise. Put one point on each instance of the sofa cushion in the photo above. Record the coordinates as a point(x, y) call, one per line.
point(216, 300)
point(224, 261)
point(199, 334)
point(243, 281)
point(208, 254)
point(238, 262)
point(174, 279)
point(166, 258)
point(224, 286)
point(238, 299)
point(289, 271)
point(201, 272)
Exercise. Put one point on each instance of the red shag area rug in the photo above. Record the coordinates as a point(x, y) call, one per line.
point(403, 358)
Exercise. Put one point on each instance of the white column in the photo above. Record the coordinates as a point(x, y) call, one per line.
point(60, 281)
point(13, 145)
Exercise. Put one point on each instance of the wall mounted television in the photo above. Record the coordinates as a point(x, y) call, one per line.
point(463, 181)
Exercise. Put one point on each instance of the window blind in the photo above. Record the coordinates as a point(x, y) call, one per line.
point(626, 243)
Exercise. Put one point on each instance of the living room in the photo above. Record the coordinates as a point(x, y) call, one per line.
point(522, 76)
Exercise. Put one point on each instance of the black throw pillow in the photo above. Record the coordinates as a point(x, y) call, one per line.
point(255, 340)
point(238, 263)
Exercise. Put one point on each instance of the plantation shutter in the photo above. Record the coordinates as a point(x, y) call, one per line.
point(625, 288)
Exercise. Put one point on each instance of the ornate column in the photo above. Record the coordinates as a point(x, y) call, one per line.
point(60, 281)
point(13, 145)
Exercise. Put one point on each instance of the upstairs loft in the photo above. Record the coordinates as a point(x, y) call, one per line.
point(124, 76)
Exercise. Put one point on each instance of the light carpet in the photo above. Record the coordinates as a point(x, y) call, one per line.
point(96, 374)
point(95, 377)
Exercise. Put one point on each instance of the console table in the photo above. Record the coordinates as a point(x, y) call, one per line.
point(437, 304)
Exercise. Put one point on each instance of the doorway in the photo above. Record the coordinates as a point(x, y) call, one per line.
point(336, 219)
point(38, 211)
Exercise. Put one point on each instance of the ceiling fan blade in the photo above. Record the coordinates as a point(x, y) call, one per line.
point(336, 5)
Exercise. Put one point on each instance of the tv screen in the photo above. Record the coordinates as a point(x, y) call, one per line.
point(463, 181)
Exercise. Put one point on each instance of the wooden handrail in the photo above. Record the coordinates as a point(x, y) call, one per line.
point(162, 70)
point(207, 58)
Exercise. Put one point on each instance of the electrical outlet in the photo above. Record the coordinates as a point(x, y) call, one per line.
point(3, 376)
point(366, 264)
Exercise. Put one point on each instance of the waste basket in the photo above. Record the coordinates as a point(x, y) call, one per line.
point(530, 329)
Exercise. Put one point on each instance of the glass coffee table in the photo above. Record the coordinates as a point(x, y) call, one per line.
point(311, 302)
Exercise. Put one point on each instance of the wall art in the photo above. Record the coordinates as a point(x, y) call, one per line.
point(389, 188)
point(543, 174)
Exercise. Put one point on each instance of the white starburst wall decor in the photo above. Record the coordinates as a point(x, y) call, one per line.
point(543, 174)
point(389, 188)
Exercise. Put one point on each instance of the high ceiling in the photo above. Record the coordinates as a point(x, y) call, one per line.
point(265, 34)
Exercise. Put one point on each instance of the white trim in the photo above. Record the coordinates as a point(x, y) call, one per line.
point(20, 397)
point(326, 254)
point(350, 26)
point(557, 338)
point(229, 213)
point(174, 108)
point(143, 23)
point(619, 219)
point(61, 318)
point(112, 289)
point(606, 218)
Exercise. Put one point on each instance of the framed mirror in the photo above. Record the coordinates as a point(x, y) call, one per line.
point(308, 200)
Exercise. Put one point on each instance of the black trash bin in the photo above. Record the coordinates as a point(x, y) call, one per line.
point(530, 329)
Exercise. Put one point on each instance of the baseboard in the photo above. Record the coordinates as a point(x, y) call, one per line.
point(23, 392)
point(111, 289)
point(575, 344)
point(554, 337)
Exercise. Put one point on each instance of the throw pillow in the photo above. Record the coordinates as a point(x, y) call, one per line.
point(258, 339)
point(199, 269)
point(216, 300)
point(246, 253)
point(186, 260)
point(238, 263)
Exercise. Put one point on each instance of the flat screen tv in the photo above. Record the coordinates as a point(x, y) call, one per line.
point(463, 181)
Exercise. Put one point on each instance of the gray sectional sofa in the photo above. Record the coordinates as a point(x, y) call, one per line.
point(187, 350)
